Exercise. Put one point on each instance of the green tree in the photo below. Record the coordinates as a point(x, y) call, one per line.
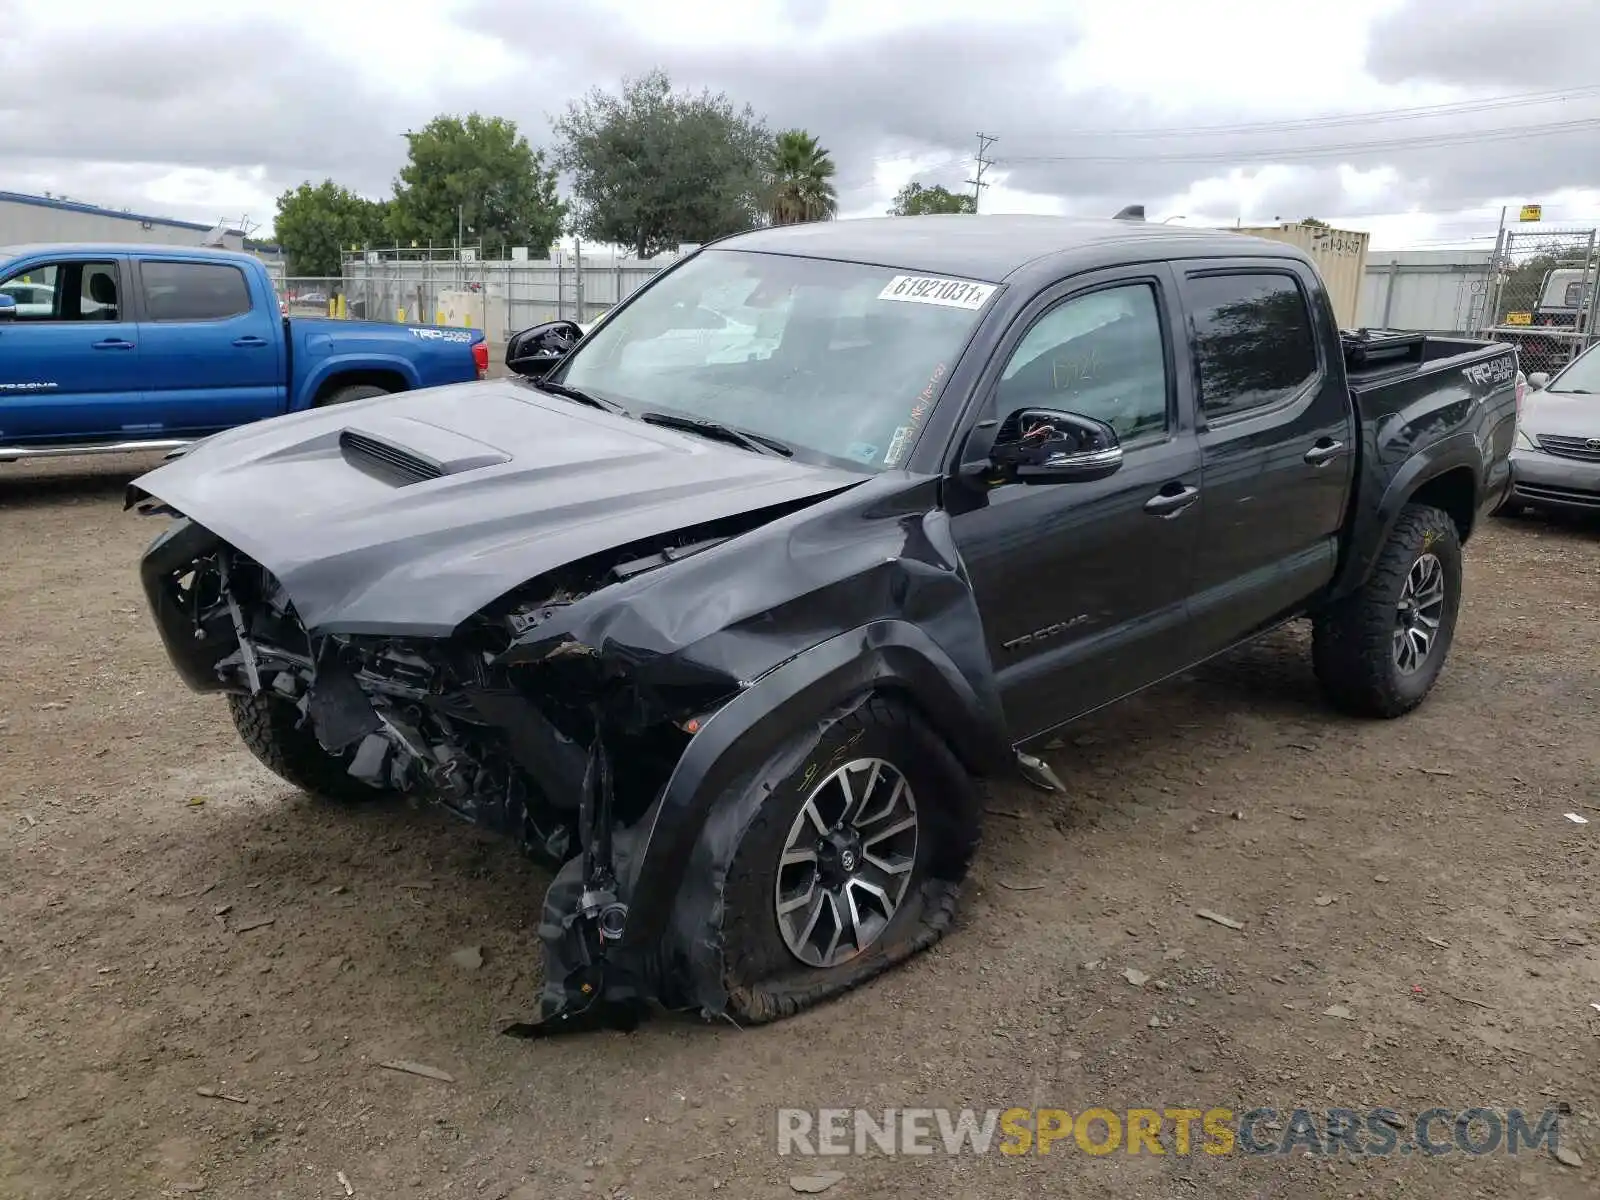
point(652, 168)
point(914, 200)
point(1314, 223)
point(316, 221)
point(476, 175)
point(799, 176)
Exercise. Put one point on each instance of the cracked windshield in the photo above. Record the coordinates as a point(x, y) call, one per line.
point(837, 361)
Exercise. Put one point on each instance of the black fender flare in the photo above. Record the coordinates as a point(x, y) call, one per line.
point(740, 736)
point(1370, 531)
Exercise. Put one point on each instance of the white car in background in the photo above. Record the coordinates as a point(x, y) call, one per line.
point(33, 299)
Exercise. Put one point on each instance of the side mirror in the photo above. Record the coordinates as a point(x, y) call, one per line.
point(534, 351)
point(8, 307)
point(1043, 445)
point(1538, 380)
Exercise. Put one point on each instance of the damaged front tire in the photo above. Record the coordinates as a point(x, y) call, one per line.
point(851, 863)
point(270, 728)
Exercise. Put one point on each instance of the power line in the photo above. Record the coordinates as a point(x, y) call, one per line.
point(1297, 124)
point(984, 142)
point(1292, 154)
point(1331, 120)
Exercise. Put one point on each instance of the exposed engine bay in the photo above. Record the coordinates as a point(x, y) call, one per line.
point(446, 718)
point(560, 752)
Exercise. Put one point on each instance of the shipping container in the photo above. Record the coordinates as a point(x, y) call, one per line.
point(1435, 291)
point(1340, 255)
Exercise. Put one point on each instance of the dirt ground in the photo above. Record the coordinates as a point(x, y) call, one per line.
point(1419, 875)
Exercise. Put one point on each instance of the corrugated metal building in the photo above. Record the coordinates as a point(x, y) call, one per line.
point(1441, 291)
point(25, 218)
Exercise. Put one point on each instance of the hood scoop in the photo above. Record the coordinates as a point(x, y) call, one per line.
point(393, 463)
point(402, 451)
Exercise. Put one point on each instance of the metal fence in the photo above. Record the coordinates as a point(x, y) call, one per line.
point(500, 297)
point(1544, 295)
point(1540, 291)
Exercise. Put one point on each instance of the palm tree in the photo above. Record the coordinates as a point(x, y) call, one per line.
point(799, 174)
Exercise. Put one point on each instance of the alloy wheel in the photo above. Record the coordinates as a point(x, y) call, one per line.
point(847, 862)
point(1417, 616)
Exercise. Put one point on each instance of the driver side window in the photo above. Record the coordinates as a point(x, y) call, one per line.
point(1100, 355)
point(67, 291)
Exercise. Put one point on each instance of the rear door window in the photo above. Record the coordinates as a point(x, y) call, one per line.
point(1254, 345)
point(193, 291)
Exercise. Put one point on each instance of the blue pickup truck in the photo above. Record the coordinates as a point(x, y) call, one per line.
point(109, 348)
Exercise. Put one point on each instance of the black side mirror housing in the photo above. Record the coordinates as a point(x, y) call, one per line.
point(8, 307)
point(1042, 445)
point(535, 350)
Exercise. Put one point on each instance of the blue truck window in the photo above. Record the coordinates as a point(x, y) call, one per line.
point(193, 291)
point(70, 291)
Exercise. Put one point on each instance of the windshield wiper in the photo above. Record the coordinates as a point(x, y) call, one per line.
point(582, 397)
point(1570, 391)
point(758, 442)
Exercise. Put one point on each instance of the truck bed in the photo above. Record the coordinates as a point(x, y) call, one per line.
point(1376, 358)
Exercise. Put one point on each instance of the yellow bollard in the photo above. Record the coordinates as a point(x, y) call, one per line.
point(400, 316)
point(343, 311)
point(438, 317)
point(333, 307)
point(467, 320)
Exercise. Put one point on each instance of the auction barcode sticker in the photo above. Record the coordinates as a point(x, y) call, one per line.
point(930, 289)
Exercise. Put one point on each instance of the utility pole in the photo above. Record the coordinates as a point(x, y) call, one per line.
point(984, 142)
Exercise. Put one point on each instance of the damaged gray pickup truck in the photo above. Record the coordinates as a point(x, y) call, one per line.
point(727, 606)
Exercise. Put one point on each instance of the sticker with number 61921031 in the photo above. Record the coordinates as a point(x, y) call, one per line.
point(931, 289)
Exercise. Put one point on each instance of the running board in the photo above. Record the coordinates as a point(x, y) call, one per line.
point(1037, 772)
point(11, 453)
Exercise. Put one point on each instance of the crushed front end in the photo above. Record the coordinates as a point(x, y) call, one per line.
point(562, 749)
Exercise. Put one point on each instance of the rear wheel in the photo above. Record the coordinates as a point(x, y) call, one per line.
point(268, 727)
point(1378, 652)
point(356, 391)
point(851, 864)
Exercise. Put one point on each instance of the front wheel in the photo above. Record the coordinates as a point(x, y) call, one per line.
point(1378, 652)
point(270, 729)
point(851, 863)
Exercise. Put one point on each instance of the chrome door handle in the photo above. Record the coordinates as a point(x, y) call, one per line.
point(1324, 452)
point(1170, 504)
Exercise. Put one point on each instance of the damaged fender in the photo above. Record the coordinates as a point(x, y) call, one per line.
point(756, 621)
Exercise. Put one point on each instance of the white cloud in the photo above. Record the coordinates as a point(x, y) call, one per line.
point(214, 115)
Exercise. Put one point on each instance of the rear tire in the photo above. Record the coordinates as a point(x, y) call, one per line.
point(356, 391)
point(1378, 652)
point(769, 970)
point(267, 726)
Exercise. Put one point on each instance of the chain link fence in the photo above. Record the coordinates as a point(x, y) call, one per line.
point(1543, 295)
point(500, 297)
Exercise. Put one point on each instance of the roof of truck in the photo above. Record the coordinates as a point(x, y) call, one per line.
point(989, 248)
point(143, 249)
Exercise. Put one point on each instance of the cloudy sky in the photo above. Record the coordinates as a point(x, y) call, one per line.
point(1416, 119)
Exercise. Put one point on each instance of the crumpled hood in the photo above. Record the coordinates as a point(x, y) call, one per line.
point(1565, 414)
point(531, 482)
